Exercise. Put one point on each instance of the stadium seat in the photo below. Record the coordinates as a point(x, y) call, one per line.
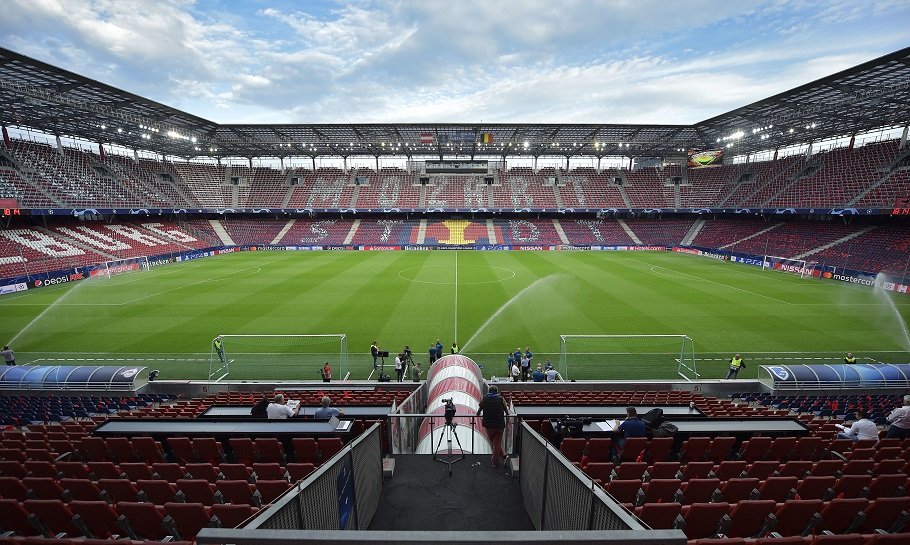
point(805, 448)
point(694, 449)
point(141, 520)
point(599, 450)
point(235, 472)
point(305, 450)
point(72, 470)
point(135, 471)
point(740, 489)
point(13, 518)
point(827, 468)
point(202, 470)
point(269, 471)
point(797, 517)
point(243, 450)
point(238, 491)
point(97, 519)
point(188, 518)
point(119, 490)
point(103, 470)
point(852, 486)
point(704, 520)
point(730, 469)
point(779, 489)
point(839, 539)
point(232, 515)
point(631, 450)
point(572, 448)
point(720, 449)
point(700, 491)
point(750, 517)
point(120, 449)
point(839, 513)
point(270, 490)
point(664, 470)
point(207, 449)
point(40, 468)
point(328, 446)
point(182, 450)
point(81, 489)
point(762, 469)
point(43, 488)
point(659, 449)
point(659, 516)
point(661, 491)
point(12, 468)
point(886, 486)
point(270, 450)
point(631, 470)
point(196, 491)
point(169, 471)
point(756, 448)
point(298, 471)
point(816, 488)
point(94, 449)
point(625, 491)
point(886, 514)
point(53, 515)
point(147, 450)
point(156, 491)
point(697, 470)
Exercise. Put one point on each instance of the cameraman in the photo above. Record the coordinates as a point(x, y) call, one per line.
point(493, 409)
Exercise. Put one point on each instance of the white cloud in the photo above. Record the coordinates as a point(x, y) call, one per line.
point(411, 60)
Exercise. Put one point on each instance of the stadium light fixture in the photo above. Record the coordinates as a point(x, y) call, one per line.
point(103, 127)
point(119, 130)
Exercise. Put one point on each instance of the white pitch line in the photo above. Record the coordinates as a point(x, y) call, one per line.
point(455, 339)
point(713, 282)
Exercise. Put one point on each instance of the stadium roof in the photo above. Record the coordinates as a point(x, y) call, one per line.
point(33, 94)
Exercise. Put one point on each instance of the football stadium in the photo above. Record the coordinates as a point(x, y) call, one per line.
point(441, 332)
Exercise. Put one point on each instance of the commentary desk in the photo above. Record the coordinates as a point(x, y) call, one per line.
point(611, 411)
point(721, 426)
point(242, 412)
point(161, 429)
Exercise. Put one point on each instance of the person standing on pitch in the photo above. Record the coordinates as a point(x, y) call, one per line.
point(525, 367)
point(455, 348)
point(326, 372)
point(438, 349)
point(736, 364)
point(432, 353)
point(415, 371)
point(515, 372)
point(493, 409)
point(850, 358)
point(218, 343)
point(530, 356)
point(509, 361)
point(10, 357)
point(374, 351)
point(399, 366)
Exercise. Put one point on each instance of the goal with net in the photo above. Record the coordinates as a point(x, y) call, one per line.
point(121, 266)
point(626, 357)
point(278, 357)
point(793, 266)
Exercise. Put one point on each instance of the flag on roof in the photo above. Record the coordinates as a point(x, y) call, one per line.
point(486, 138)
point(426, 138)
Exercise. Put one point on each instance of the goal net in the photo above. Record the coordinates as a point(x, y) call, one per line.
point(793, 266)
point(122, 266)
point(628, 357)
point(278, 357)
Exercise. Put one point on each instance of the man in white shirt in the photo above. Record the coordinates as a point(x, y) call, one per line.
point(279, 410)
point(552, 375)
point(900, 420)
point(862, 429)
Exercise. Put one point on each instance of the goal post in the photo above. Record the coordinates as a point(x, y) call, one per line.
point(627, 357)
point(798, 267)
point(278, 357)
point(122, 266)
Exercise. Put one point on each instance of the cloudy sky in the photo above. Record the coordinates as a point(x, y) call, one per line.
point(642, 61)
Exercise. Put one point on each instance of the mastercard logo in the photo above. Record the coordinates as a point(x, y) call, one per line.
point(827, 274)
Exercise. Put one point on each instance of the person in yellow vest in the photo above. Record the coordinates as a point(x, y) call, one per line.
point(454, 348)
point(736, 364)
point(850, 358)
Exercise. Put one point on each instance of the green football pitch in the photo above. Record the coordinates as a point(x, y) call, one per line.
point(488, 302)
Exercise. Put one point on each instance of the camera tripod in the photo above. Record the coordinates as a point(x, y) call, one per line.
point(448, 434)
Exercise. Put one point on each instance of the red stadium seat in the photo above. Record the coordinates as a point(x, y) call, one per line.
point(701, 491)
point(196, 491)
point(119, 490)
point(157, 491)
point(188, 518)
point(797, 517)
point(756, 448)
point(328, 446)
point(659, 516)
point(142, 520)
point(704, 520)
point(81, 489)
point(240, 492)
point(298, 471)
point(97, 518)
point(270, 490)
point(232, 515)
point(886, 514)
point(270, 450)
point(244, 451)
point(750, 517)
point(13, 518)
point(170, 472)
point(838, 514)
point(305, 450)
point(203, 470)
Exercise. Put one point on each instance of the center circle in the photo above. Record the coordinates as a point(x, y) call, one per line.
point(501, 274)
